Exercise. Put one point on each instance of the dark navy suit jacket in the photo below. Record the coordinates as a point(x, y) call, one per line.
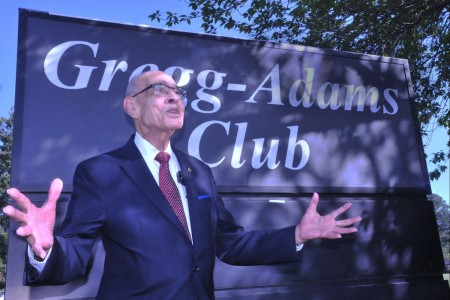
point(148, 254)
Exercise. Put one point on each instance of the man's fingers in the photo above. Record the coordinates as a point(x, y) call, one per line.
point(333, 235)
point(313, 203)
point(346, 230)
point(55, 190)
point(24, 231)
point(340, 210)
point(348, 222)
point(337, 232)
point(19, 198)
point(15, 214)
point(39, 251)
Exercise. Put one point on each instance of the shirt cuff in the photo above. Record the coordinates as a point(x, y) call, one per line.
point(38, 265)
point(298, 247)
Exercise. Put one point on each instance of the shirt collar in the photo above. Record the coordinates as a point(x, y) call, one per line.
point(147, 149)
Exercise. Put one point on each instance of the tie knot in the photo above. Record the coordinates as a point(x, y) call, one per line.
point(162, 157)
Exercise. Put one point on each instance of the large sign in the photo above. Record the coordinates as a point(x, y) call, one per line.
point(264, 116)
point(273, 121)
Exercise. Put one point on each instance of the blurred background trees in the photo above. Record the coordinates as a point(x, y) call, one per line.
point(6, 129)
point(442, 210)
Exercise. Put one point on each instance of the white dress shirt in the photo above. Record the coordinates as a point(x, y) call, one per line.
point(149, 153)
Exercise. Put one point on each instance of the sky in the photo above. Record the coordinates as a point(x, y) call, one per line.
point(128, 12)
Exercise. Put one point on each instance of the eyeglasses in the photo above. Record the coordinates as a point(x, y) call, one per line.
point(162, 89)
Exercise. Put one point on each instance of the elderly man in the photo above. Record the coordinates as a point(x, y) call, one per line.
point(160, 234)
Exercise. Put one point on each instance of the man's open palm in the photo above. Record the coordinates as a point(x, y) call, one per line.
point(313, 225)
point(36, 223)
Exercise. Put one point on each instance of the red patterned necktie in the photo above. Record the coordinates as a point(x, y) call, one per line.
point(169, 189)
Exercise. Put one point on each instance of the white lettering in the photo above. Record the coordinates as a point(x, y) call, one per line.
point(332, 98)
point(290, 154)
point(204, 97)
point(197, 133)
point(391, 101)
point(360, 91)
point(53, 57)
point(306, 91)
point(110, 71)
point(275, 87)
point(271, 157)
point(239, 146)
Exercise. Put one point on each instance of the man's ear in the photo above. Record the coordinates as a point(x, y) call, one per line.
point(130, 107)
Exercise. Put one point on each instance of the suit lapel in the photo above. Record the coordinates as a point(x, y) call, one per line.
point(137, 170)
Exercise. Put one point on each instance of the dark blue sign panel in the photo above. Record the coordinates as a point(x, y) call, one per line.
point(264, 116)
point(273, 121)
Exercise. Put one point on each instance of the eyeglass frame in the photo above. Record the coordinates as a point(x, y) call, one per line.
point(180, 92)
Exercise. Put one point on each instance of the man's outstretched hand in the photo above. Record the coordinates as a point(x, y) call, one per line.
point(36, 223)
point(313, 225)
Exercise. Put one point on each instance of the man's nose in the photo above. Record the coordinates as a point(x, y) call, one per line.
point(173, 100)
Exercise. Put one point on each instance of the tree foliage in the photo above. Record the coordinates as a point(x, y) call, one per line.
point(442, 210)
point(6, 128)
point(417, 30)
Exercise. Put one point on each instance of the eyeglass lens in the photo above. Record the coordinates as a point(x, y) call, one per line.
point(164, 90)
